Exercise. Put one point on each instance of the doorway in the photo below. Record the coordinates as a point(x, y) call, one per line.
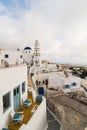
point(16, 97)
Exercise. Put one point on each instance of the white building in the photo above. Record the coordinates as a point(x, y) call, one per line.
point(28, 56)
point(13, 88)
point(59, 81)
point(45, 67)
point(11, 57)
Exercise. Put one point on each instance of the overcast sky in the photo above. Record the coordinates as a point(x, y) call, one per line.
point(60, 26)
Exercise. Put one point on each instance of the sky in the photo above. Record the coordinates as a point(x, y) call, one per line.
point(60, 26)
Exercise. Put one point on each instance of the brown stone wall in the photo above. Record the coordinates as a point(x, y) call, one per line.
point(71, 114)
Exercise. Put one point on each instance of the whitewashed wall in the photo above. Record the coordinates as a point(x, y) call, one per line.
point(51, 66)
point(33, 93)
point(57, 81)
point(27, 57)
point(43, 66)
point(48, 67)
point(9, 79)
point(38, 120)
point(14, 56)
point(40, 77)
point(72, 79)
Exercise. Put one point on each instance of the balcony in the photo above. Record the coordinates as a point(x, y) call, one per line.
point(27, 113)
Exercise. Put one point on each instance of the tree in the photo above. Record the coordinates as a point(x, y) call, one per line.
point(84, 74)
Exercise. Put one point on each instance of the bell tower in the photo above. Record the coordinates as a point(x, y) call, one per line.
point(36, 53)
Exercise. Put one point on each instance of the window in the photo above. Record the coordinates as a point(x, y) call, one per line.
point(20, 56)
point(17, 90)
point(74, 84)
point(23, 87)
point(14, 92)
point(6, 101)
point(66, 86)
point(36, 82)
point(6, 56)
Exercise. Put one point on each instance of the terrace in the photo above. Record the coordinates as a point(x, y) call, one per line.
point(27, 113)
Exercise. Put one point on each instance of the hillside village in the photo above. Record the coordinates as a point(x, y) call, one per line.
point(63, 87)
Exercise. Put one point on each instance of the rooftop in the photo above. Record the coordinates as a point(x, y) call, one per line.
point(27, 48)
point(9, 66)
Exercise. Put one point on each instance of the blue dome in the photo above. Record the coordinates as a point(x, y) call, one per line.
point(27, 48)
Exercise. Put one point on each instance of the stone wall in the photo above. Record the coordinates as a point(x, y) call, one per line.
point(71, 114)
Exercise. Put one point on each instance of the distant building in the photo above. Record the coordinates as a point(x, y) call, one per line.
point(45, 67)
point(11, 57)
point(28, 56)
point(59, 81)
point(36, 53)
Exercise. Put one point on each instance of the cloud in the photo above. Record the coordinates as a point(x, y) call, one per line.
point(60, 27)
